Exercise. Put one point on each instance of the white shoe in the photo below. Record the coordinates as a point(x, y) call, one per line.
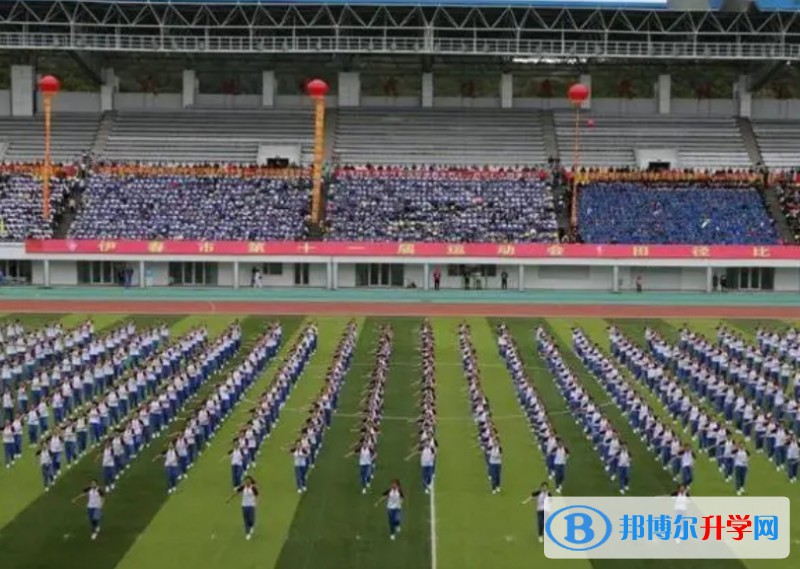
point(249, 536)
point(391, 537)
point(541, 539)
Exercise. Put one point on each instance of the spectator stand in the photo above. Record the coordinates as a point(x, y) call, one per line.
point(701, 208)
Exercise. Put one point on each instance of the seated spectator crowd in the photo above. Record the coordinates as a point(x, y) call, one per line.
point(176, 206)
point(441, 204)
point(21, 205)
point(731, 177)
point(678, 213)
point(431, 203)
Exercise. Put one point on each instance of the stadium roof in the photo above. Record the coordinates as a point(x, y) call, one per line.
point(622, 34)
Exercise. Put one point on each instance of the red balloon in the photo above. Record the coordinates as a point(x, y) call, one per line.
point(578, 93)
point(317, 88)
point(49, 84)
point(590, 123)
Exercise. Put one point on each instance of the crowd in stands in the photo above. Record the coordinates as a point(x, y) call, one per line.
point(674, 212)
point(21, 205)
point(731, 177)
point(365, 203)
point(441, 204)
point(177, 206)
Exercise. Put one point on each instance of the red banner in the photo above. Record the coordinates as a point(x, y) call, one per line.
point(389, 249)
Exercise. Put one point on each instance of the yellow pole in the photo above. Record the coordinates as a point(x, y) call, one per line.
point(577, 154)
point(319, 157)
point(575, 165)
point(46, 174)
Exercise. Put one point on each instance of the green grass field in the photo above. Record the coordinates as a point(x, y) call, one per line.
point(333, 526)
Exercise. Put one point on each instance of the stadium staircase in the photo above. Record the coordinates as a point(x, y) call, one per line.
point(63, 221)
point(549, 135)
point(103, 132)
point(776, 212)
point(749, 140)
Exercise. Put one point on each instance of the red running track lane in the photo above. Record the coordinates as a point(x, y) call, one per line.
point(397, 309)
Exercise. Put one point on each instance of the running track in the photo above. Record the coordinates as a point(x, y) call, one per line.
point(398, 309)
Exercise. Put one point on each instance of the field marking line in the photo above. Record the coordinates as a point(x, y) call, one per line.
point(434, 560)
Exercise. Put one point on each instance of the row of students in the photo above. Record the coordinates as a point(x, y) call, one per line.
point(310, 440)
point(199, 430)
point(192, 365)
point(266, 414)
point(674, 452)
point(89, 427)
point(710, 378)
point(738, 407)
point(609, 446)
point(427, 444)
point(36, 373)
point(786, 346)
point(49, 348)
point(14, 330)
point(372, 410)
point(774, 364)
point(552, 447)
point(736, 376)
point(488, 436)
point(20, 357)
point(108, 389)
point(63, 392)
point(770, 435)
point(73, 432)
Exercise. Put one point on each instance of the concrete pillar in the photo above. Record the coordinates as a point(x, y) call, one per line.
point(506, 91)
point(743, 97)
point(23, 88)
point(47, 273)
point(189, 88)
point(236, 270)
point(426, 276)
point(141, 274)
point(521, 277)
point(329, 275)
point(107, 89)
point(709, 279)
point(615, 278)
point(335, 267)
point(268, 88)
point(586, 79)
point(664, 94)
point(349, 89)
point(427, 90)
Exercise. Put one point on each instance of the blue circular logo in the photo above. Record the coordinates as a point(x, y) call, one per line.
point(580, 528)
